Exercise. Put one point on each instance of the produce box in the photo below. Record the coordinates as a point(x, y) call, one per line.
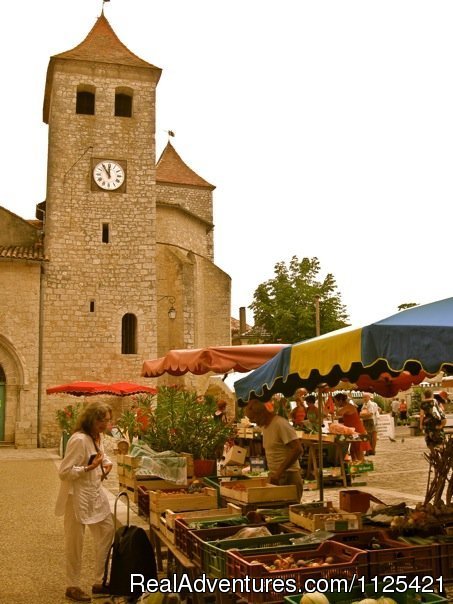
point(359, 468)
point(245, 432)
point(142, 487)
point(339, 560)
point(216, 481)
point(257, 490)
point(230, 470)
point(323, 516)
point(235, 456)
point(192, 542)
point(215, 553)
point(130, 465)
point(326, 438)
point(356, 501)
point(230, 511)
point(410, 596)
point(179, 500)
point(392, 557)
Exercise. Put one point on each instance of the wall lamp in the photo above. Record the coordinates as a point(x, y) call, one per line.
point(172, 309)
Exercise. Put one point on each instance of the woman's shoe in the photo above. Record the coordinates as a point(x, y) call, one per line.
point(77, 595)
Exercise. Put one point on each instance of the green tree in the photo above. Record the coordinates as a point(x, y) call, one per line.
point(284, 307)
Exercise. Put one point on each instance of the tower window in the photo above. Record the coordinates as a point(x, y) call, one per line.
point(85, 99)
point(123, 103)
point(129, 334)
point(91, 305)
point(105, 232)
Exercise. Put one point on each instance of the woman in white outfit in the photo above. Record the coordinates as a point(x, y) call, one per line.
point(82, 498)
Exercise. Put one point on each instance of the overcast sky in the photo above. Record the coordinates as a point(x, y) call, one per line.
point(326, 126)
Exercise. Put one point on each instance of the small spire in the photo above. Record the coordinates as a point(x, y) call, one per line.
point(170, 133)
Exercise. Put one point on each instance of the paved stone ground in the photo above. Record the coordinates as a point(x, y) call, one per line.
point(31, 552)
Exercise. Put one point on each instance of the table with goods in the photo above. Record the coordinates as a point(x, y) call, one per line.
point(258, 534)
point(315, 541)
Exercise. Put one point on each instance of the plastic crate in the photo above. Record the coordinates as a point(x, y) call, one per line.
point(349, 561)
point(446, 559)
point(184, 540)
point(182, 527)
point(215, 553)
point(194, 541)
point(395, 557)
point(356, 594)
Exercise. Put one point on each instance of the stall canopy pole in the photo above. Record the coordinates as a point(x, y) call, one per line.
point(320, 448)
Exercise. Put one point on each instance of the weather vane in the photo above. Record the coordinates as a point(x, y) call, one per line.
point(103, 2)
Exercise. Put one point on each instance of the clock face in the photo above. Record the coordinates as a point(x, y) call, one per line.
point(108, 175)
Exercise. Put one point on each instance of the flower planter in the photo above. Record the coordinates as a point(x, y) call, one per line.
point(204, 467)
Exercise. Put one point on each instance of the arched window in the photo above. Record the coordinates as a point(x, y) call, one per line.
point(129, 334)
point(123, 102)
point(85, 99)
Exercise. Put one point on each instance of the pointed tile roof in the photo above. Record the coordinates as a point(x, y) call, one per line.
point(101, 45)
point(171, 169)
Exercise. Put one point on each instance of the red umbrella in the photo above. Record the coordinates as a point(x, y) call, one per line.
point(93, 388)
point(219, 359)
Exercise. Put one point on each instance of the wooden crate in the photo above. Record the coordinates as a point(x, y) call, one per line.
point(167, 521)
point(326, 438)
point(160, 501)
point(130, 464)
point(324, 516)
point(147, 482)
point(257, 490)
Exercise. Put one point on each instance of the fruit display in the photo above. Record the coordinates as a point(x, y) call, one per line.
point(289, 563)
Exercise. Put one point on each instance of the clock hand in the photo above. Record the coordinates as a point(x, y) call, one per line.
point(107, 170)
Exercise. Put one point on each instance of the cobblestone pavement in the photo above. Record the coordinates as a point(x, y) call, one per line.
point(31, 553)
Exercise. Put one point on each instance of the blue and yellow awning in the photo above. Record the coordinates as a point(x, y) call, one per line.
point(383, 357)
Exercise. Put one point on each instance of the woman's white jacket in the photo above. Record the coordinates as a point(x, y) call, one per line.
point(89, 497)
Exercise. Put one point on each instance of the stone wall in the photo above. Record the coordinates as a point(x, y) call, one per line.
point(19, 349)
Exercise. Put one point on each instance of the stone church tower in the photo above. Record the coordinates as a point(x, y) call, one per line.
point(121, 238)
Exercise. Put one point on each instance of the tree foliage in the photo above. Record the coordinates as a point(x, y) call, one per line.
point(284, 307)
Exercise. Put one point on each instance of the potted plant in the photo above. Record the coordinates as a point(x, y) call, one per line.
point(179, 420)
point(67, 419)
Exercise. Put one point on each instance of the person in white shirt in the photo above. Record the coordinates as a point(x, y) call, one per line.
point(281, 445)
point(369, 415)
point(395, 410)
point(82, 499)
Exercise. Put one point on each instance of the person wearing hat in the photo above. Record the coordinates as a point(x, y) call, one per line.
point(281, 444)
point(442, 398)
point(432, 420)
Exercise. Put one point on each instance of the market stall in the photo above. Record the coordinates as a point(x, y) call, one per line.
point(384, 357)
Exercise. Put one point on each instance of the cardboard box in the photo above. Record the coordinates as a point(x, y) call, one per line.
point(356, 501)
point(230, 470)
point(323, 516)
point(235, 456)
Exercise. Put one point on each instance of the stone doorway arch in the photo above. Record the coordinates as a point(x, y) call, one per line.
point(13, 380)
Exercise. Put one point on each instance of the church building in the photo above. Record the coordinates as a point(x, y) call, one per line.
point(118, 266)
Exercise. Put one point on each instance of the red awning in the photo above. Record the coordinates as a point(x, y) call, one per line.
point(93, 388)
point(219, 359)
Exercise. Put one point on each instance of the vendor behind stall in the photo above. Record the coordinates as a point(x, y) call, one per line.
point(281, 444)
